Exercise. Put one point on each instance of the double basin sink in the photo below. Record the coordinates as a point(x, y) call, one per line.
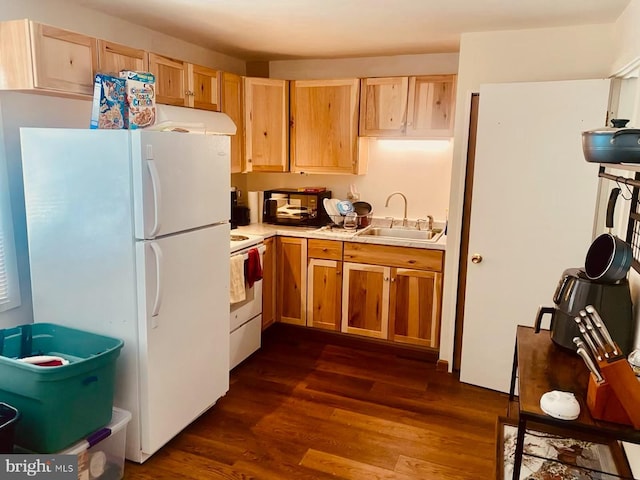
point(402, 233)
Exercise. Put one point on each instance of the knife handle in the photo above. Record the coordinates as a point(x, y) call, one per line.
point(590, 364)
point(599, 323)
point(587, 338)
point(586, 319)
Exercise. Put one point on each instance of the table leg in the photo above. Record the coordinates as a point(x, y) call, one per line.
point(517, 459)
point(514, 370)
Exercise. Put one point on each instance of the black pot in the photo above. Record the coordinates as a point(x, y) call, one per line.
point(608, 259)
point(615, 144)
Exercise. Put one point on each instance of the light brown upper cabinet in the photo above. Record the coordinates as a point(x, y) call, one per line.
point(185, 84)
point(231, 104)
point(45, 58)
point(419, 106)
point(324, 126)
point(384, 106)
point(266, 114)
point(113, 57)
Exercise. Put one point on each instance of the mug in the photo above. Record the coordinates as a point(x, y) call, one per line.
point(350, 221)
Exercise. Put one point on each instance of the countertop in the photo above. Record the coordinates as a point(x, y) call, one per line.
point(268, 230)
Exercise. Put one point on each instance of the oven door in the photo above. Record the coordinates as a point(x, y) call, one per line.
point(251, 307)
point(245, 325)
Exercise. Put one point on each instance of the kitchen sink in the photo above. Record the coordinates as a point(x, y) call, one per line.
point(404, 233)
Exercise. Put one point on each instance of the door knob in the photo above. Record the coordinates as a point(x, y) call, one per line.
point(476, 258)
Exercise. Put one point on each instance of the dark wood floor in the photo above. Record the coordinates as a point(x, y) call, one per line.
point(303, 408)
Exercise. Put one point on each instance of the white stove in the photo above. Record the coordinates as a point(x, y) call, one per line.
point(241, 241)
point(245, 322)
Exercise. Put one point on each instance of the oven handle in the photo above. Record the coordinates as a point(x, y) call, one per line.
point(245, 253)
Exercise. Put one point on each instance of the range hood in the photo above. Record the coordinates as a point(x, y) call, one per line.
point(169, 117)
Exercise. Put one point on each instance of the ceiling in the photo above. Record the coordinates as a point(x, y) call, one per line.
point(263, 30)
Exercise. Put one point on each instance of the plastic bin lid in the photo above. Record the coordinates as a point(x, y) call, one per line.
point(119, 420)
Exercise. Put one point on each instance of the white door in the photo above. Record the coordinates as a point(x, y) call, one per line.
point(532, 212)
point(183, 286)
point(181, 181)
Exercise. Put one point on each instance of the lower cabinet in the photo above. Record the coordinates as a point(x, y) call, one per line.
point(386, 292)
point(324, 284)
point(365, 300)
point(269, 283)
point(392, 293)
point(292, 280)
point(414, 307)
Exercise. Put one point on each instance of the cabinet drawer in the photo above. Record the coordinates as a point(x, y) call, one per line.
point(403, 257)
point(327, 249)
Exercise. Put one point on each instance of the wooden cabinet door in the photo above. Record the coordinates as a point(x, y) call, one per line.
point(431, 106)
point(365, 299)
point(203, 88)
point(171, 80)
point(269, 283)
point(414, 307)
point(231, 104)
point(63, 60)
point(324, 285)
point(383, 106)
point(292, 280)
point(113, 57)
point(324, 125)
point(266, 111)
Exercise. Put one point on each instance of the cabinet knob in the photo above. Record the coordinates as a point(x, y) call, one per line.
point(476, 258)
point(393, 279)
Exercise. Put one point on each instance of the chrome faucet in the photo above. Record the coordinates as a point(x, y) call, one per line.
point(404, 220)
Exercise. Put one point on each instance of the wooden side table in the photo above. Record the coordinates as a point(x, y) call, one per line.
point(539, 366)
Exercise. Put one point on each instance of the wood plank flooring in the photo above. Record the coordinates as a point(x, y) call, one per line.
point(304, 407)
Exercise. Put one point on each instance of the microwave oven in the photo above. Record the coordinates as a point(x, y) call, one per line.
point(290, 206)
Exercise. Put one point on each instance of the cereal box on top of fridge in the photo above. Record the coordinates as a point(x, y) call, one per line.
point(141, 99)
point(108, 108)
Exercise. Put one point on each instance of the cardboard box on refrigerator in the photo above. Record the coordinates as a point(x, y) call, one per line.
point(141, 99)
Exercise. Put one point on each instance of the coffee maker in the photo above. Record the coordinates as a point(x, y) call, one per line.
point(239, 213)
point(574, 292)
point(234, 204)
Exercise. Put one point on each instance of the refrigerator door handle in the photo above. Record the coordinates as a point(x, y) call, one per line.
point(157, 252)
point(155, 185)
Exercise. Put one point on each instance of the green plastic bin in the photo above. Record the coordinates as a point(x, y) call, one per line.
point(59, 405)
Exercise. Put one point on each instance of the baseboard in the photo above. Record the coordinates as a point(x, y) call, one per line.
point(442, 366)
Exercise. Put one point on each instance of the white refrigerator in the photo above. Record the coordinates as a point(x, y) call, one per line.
point(128, 235)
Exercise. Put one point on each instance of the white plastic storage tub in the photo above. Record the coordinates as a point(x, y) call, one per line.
point(101, 455)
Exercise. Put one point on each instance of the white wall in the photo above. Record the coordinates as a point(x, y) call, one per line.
point(394, 165)
point(511, 56)
point(422, 174)
point(96, 24)
point(440, 63)
point(24, 110)
point(627, 37)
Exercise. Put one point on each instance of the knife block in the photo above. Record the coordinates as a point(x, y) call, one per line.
point(604, 404)
point(617, 399)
